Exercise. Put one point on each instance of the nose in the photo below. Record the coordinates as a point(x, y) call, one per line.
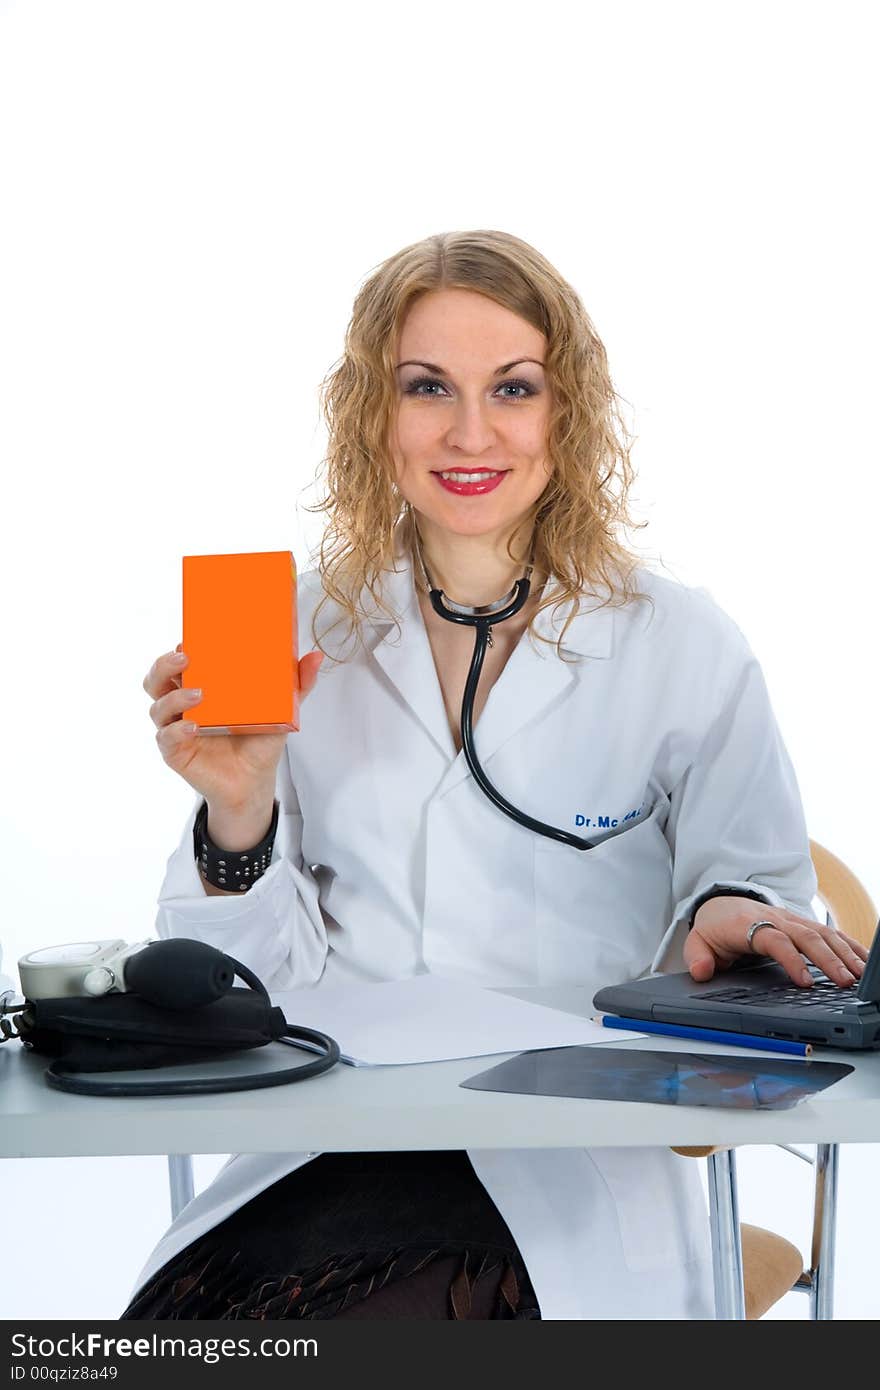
point(471, 429)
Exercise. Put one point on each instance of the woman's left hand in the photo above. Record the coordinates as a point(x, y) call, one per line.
point(718, 938)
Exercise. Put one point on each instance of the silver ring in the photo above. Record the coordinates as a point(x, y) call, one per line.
point(756, 926)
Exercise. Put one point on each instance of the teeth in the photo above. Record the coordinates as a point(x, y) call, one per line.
point(467, 477)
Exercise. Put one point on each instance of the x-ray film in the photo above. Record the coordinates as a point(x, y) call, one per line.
point(661, 1078)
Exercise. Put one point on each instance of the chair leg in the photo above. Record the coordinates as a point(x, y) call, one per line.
point(824, 1233)
point(180, 1181)
point(727, 1264)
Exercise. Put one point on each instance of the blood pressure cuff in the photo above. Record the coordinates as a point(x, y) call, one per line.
point(120, 1032)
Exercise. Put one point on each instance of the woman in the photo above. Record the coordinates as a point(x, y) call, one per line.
point(473, 432)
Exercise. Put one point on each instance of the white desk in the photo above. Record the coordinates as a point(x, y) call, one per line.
point(413, 1107)
point(423, 1107)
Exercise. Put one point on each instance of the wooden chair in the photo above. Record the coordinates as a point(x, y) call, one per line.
point(753, 1267)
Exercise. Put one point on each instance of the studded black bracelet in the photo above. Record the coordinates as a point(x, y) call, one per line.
point(231, 869)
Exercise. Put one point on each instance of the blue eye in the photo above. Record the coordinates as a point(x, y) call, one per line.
point(414, 387)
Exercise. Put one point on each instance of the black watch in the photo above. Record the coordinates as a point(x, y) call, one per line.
point(231, 868)
point(726, 893)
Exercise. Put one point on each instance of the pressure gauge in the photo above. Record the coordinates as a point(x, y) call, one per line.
point(77, 968)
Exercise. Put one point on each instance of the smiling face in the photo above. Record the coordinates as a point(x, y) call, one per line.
point(468, 405)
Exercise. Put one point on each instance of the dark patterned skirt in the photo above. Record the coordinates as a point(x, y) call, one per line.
point(353, 1235)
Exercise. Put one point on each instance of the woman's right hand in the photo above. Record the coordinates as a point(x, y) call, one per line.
point(234, 772)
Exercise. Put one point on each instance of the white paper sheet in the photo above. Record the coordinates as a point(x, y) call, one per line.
point(430, 1019)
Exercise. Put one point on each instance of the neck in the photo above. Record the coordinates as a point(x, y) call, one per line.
point(470, 570)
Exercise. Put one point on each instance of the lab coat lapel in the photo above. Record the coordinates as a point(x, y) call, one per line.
point(533, 680)
point(407, 659)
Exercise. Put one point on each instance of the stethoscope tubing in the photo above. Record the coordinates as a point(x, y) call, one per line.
point(482, 626)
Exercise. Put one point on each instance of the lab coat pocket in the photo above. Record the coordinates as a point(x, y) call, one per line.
point(661, 1210)
point(600, 913)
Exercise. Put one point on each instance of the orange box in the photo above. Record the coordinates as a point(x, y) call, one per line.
point(240, 634)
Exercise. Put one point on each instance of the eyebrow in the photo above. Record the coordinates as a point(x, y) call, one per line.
point(441, 371)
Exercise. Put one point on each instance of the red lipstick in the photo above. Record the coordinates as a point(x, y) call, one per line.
point(475, 489)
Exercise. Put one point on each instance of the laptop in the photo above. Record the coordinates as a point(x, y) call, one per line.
point(758, 996)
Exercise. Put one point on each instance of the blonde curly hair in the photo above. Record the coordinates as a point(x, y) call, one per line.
point(585, 500)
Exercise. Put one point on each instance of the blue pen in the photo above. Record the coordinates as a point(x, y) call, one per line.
point(681, 1030)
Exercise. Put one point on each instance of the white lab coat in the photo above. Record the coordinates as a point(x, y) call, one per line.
point(389, 861)
point(8, 988)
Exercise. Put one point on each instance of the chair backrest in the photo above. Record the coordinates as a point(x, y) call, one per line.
point(844, 895)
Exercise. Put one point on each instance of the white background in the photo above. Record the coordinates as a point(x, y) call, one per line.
point(190, 197)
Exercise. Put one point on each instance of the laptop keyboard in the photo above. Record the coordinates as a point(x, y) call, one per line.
point(823, 994)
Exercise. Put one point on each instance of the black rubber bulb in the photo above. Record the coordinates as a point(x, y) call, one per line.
point(179, 973)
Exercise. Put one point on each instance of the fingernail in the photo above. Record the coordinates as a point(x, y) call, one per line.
point(806, 978)
point(194, 694)
point(178, 656)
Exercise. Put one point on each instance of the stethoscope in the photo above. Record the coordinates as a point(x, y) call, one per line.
point(482, 619)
